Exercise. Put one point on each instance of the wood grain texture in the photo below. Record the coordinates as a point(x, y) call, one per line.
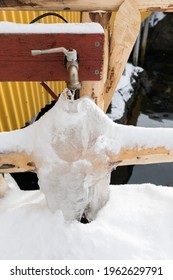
point(87, 5)
point(95, 89)
point(17, 63)
point(125, 31)
point(16, 162)
point(136, 156)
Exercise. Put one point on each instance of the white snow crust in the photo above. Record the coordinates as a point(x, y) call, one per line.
point(155, 18)
point(124, 91)
point(68, 28)
point(136, 223)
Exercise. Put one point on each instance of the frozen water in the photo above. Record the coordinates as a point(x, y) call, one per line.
point(74, 147)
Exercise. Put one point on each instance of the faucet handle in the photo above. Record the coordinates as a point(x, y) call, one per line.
point(70, 54)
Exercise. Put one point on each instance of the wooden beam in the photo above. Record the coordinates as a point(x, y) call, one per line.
point(96, 89)
point(125, 31)
point(141, 145)
point(16, 162)
point(129, 145)
point(87, 5)
point(17, 63)
point(136, 156)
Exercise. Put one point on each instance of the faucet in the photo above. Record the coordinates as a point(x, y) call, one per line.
point(72, 65)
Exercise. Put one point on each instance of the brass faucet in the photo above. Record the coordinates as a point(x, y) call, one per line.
point(72, 65)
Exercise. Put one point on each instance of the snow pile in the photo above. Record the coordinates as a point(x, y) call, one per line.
point(136, 223)
point(124, 92)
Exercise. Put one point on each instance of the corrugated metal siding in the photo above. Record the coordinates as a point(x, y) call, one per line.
point(20, 101)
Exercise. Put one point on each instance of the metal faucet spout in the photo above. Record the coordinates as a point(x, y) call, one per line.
point(72, 65)
point(73, 83)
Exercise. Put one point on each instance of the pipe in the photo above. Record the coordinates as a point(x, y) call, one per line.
point(73, 82)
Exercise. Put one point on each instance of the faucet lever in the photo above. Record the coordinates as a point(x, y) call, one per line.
point(70, 54)
point(72, 64)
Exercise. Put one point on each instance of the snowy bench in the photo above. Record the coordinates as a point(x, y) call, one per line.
point(17, 41)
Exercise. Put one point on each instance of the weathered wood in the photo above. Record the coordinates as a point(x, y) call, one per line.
point(17, 63)
point(16, 162)
point(125, 31)
point(96, 89)
point(21, 162)
point(136, 156)
point(87, 5)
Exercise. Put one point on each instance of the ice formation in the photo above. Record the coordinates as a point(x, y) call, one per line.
point(69, 151)
point(74, 147)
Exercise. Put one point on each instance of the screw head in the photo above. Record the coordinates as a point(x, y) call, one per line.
point(97, 72)
point(97, 44)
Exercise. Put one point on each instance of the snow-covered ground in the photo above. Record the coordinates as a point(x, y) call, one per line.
point(136, 223)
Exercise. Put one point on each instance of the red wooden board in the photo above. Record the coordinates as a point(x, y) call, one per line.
point(17, 63)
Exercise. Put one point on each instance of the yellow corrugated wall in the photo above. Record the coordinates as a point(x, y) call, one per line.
point(20, 101)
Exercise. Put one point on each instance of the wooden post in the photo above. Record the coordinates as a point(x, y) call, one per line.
point(95, 89)
point(87, 5)
point(125, 31)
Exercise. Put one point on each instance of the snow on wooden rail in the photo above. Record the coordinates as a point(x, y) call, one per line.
point(73, 149)
point(87, 5)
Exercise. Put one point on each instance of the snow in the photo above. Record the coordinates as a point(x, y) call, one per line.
point(124, 92)
point(155, 120)
point(136, 223)
point(155, 18)
point(70, 28)
point(74, 147)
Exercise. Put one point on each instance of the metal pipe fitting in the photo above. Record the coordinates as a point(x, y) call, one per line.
point(73, 82)
point(71, 65)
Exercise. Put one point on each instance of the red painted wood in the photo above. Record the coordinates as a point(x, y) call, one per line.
point(17, 63)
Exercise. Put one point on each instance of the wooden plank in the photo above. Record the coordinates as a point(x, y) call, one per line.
point(87, 5)
point(95, 89)
point(136, 156)
point(17, 63)
point(16, 162)
point(125, 31)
